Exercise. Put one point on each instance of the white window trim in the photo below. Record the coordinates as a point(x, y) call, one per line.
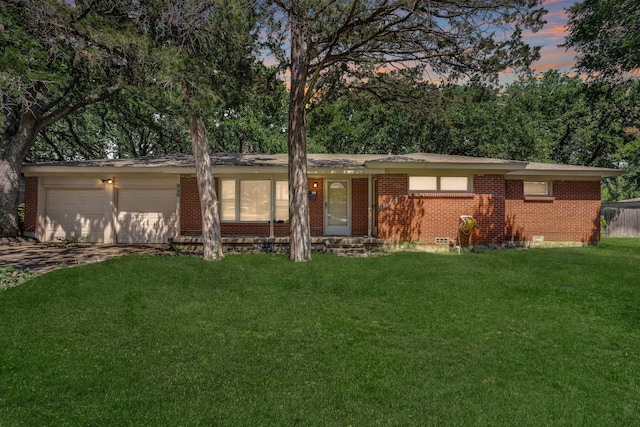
point(237, 202)
point(274, 200)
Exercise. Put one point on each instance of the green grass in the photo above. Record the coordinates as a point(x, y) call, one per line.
point(538, 337)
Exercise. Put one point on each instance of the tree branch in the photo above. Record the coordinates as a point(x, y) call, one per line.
point(71, 107)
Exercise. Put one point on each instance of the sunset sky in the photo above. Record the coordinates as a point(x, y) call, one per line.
point(553, 34)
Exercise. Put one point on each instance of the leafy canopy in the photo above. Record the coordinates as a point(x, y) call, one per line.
point(606, 35)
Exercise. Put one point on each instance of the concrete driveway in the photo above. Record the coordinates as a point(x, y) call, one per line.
point(44, 257)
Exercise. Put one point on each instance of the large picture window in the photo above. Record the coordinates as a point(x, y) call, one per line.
point(250, 200)
point(418, 184)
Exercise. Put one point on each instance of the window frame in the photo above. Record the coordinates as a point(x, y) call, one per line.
point(284, 201)
point(548, 189)
point(438, 182)
point(273, 200)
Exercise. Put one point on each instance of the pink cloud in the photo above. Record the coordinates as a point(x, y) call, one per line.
point(552, 35)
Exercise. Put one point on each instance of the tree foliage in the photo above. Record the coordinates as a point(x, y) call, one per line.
point(253, 121)
point(550, 118)
point(207, 52)
point(55, 59)
point(606, 35)
point(125, 125)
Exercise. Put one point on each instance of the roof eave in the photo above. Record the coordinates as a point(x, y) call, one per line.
point(565, 174)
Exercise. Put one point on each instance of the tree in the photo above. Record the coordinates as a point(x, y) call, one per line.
point(255, 119)
point(125, 125)
point(554, 118)
point(606, 36)
point(60, 57)
point(207, 50)
point(347, 43)
point(138, 122)
point(357, 122)
point(56, 59)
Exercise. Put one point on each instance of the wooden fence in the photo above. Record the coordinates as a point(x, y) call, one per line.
point(622, 219)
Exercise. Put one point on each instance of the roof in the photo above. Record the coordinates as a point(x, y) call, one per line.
point(362, 163)
point(536, 169)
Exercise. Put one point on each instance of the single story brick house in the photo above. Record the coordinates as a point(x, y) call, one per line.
point(418, 198)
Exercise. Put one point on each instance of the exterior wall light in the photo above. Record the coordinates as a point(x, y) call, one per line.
point(107, 180)
point(315, 184)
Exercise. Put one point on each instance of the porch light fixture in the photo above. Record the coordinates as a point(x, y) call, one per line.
point(107, 180)
point(315, 184)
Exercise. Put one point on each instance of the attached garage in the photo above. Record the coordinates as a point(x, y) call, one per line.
point(75, 214)
point(103, 206)
point(146, 215)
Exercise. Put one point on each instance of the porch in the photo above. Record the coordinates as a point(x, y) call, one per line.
point(339, 245)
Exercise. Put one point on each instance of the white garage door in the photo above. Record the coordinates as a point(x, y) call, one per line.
point(146, 216)
point(75, 214)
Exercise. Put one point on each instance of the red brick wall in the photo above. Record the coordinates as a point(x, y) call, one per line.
point(499, 206)
point(316, 208)
point(30, 204)
point(572, 214)
point(423, 217)
point(359, 206)
point(190, 215)
point(489, 208)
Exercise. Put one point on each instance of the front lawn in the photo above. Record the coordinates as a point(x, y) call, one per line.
point(535, 337)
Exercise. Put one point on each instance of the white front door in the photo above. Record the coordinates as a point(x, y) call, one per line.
point(337, 208)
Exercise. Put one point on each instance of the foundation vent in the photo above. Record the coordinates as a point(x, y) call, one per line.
point(442, 240)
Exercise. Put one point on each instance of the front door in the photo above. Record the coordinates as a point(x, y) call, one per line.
point(337, 208)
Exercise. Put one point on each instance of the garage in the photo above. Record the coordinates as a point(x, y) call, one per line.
point(146, 215)
point(74, 215)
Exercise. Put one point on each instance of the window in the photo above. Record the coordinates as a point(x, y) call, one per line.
point(228, 200)
point(282, 201)
point(454, 183)
point(250, 200)
point(438, 183)
point(255, 200)
point(423, 183)
point(537, 188)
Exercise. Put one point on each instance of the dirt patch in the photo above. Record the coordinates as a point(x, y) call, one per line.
point(24, 254)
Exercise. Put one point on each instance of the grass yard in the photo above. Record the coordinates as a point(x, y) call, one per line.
point(540, 337)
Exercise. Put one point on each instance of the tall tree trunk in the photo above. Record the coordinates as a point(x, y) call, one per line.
point(13, 151)
point(9, 186)
point(300, 233)
point(206, 187)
